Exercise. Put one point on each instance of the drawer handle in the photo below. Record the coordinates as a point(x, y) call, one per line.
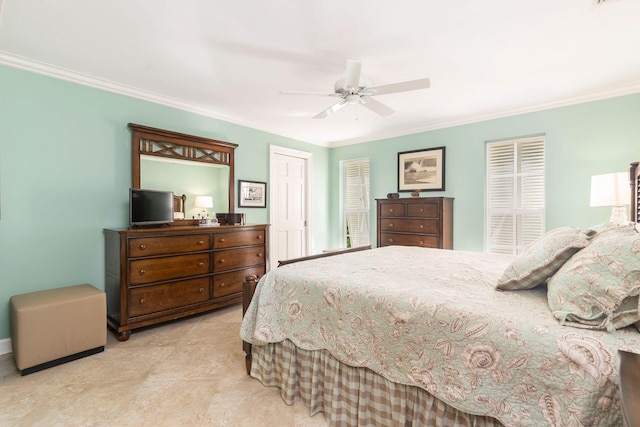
point(201, 242)
point(221, 240)
point(259, 237)
point(141, 300)
point(422, 242)
point(390, 240)
point(221, 261)
point(390, 209)
point(390, 225)
point(421, 209)
point(421, 226)
point(141, 272)
point(143, 247)
point(222, 285)
point(201, 290)
point(259, 255)
point(200, 264)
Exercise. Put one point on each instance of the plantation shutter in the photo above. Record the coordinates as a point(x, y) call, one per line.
point(515, 194)
point(356, 202)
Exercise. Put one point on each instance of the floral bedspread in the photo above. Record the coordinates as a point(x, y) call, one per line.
point(432, 318)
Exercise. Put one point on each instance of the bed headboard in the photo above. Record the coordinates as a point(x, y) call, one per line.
point(178, 203)
point(634, 182)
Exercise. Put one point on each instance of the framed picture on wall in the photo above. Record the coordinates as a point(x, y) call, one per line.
point(252, 194)
point(421, 170)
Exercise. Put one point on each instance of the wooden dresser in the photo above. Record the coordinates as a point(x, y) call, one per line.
point(161, 274)
point(416, 221)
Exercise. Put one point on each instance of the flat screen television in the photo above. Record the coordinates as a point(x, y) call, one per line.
point(148, 207)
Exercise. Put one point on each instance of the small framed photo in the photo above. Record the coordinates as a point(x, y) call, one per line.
point(421, 170)
point(252, 194)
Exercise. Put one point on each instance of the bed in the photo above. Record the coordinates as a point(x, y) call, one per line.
point(396, 336)
point(179, 206)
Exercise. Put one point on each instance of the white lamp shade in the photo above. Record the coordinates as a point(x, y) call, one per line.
point(204, 202)
point(610, 189)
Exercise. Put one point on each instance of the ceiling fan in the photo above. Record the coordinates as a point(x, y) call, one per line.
point(355, 89)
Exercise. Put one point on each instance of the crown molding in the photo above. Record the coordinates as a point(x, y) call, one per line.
point(60, 73)
point(596, 96)
point(109, 86)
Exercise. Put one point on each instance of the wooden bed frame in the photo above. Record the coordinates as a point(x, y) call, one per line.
point(178, 204)
point(634, 182)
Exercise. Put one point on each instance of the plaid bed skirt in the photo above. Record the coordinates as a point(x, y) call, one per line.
point(352, 396)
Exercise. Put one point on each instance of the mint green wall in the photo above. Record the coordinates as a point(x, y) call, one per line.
point(581, 140)
point(65, 173)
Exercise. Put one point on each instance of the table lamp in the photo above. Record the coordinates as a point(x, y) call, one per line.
point(204, 202)
point(612, 189)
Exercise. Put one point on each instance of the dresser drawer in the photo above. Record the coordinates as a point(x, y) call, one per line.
point(427, 226)
point(237, 258)
point(238, 238)
point(423, 210)
point(167, 268)
point(156, 275)
point(388, 239)
point(231, 283)
point(392, 209)
point(146, 246)
point(151, 299)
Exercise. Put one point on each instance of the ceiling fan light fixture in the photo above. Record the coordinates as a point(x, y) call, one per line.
point(339, 86)
point(353, 88)
point(352, 99)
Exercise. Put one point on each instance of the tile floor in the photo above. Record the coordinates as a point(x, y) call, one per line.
point(186, 373)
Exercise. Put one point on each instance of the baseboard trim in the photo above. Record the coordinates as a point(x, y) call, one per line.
point(5, 346)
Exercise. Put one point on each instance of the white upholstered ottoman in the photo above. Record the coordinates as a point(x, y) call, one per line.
point(57, 326)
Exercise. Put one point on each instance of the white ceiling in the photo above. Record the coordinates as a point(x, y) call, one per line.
point(230, 59)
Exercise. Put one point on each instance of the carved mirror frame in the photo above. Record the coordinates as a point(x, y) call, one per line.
point(150, 141)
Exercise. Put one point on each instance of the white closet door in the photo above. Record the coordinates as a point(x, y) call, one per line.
point(288, 234)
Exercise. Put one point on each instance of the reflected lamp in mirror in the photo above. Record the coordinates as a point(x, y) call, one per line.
point(612, 189)
point(204, 203)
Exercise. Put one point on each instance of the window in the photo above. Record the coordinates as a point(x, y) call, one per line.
point(356, 202)
point(515, 194)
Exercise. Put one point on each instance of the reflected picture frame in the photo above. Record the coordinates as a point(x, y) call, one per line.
point(252, 194)
point(421, 170)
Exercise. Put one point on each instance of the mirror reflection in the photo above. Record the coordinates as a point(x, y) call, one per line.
point(189, 178)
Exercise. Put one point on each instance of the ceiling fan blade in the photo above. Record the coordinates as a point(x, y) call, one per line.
point(377, 107)
point(398, 87)
point(293, 92)
point(352, 76)
point(335, 107)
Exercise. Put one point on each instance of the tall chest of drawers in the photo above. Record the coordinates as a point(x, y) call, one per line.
point(162, 274)
point(416, 221)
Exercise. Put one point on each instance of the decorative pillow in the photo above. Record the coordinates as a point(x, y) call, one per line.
point(543, 257)
point(609, 228)
point(598, 287)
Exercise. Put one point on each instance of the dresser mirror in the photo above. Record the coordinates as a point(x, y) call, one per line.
point(188, 165)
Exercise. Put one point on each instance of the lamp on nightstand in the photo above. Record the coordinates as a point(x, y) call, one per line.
point(612, 189)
